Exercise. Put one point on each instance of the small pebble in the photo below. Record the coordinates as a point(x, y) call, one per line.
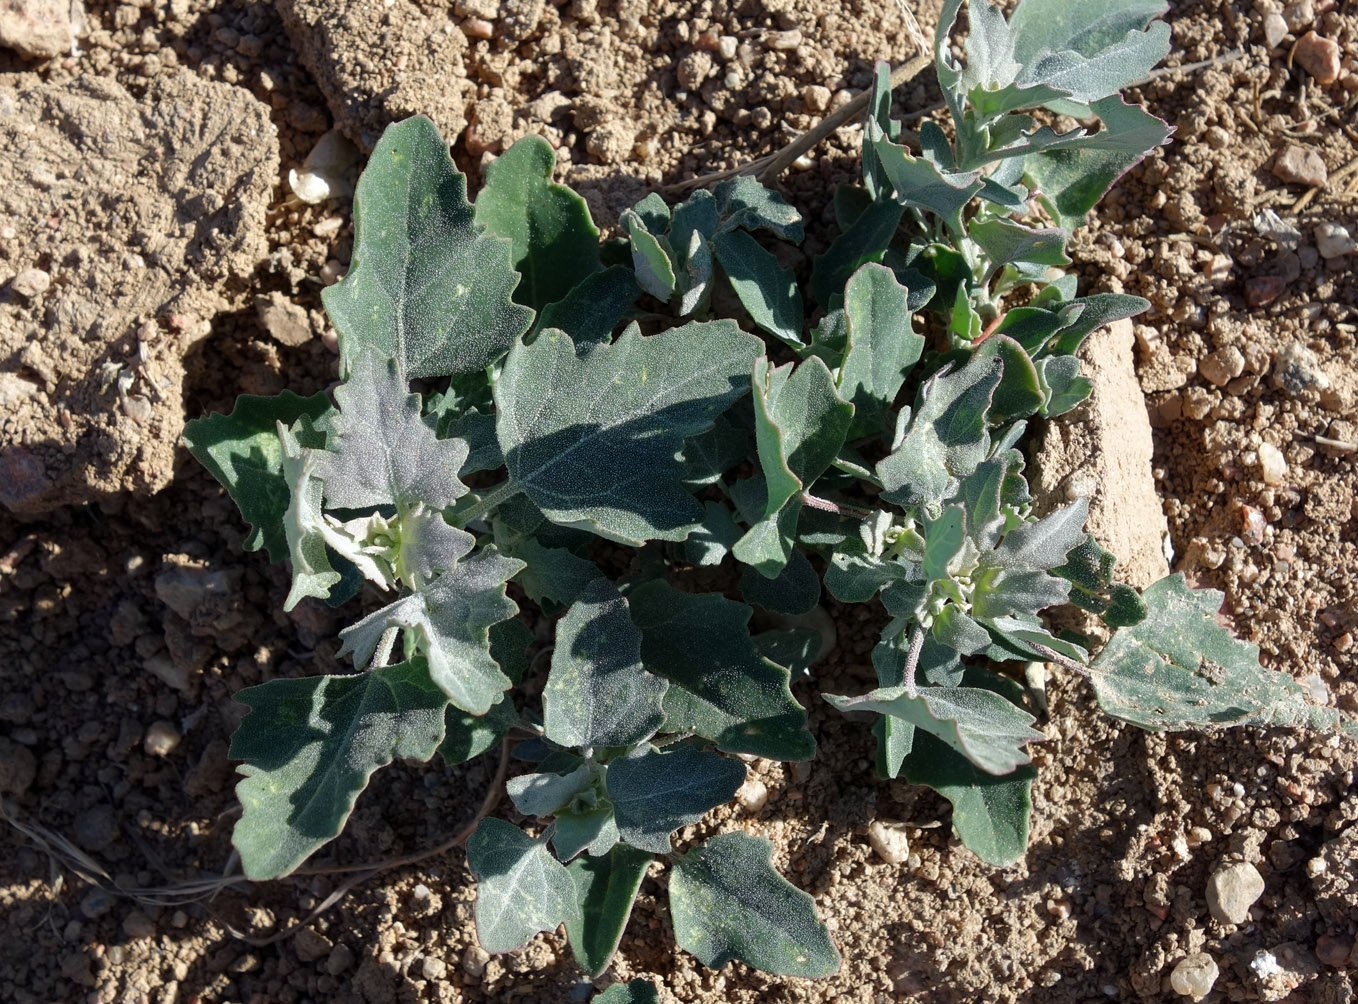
point(341, 958)
point(1296, 369)
point(889, 840)
point(328, 227)
point(1275, 30)
point(161, 739)
point(1222, 366)
point(1262, 290)
point(333, 271)
point(1195, 976)
point(1272, 465)
point(95, 828)
point(1334, 241)
point(1333, 951)
point(18, 768)
point(1232, 890)
point(781, 41)
point(95, 903)
point(1300, 165)
point(816, 97)
point(434, 968)
point(31, 282)
point(137, 925)
point(311, 946)
point(1299, 14)
point(474, 961)
point(132, 261)
point(477, 27)
point(726, 47)
point(753, 795)
point(1319, 56)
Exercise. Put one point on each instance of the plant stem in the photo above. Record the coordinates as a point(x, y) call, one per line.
point(912, 662)
point(384, 647)
point(838, 508)
point(490, 500)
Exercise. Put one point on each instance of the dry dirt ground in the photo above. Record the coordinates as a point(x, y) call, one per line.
point(144, 177)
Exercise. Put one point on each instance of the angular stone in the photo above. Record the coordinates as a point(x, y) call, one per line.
point(284, 320)
point(39, 29)
point(1194, 976)
point(890, 841)
point(1319, 56)
point(1232, 890)
point(1300, 165)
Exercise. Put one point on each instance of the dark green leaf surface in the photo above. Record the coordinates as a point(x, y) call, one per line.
point(605, 889)
point(592, 441)
point(720, 687)
point(656, 792)
point(919, 183)
point(243, 452)
point(1008, 243)
point(743, 202)
point(426, 287)
point(543, 794)
point(592, 830)
point(727, 902)
point(552, 574)
point(766, 289)
point(381, 450)
point(882, 346)
point(864, 240)
point(636, 991)
point(555, 243)
point(592, 309)
point(1179, 669)
point(467, 736)
point(449, 621)
point(309, 747)
point(598, 693)
point(795, 590)
point(521, 889)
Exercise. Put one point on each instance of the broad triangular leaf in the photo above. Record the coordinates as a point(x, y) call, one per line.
point(656, 792)
point(467, 736)
point(449, 622)
point(520, 890)
point(947, 436)
point(543, 794)
point(743, 202)
point(1089, 27)
point(720, 687)
point(243, 452)
point(1179, 669)
point(592, 830)
point(426, 287)
point(592, 440)
point(555, 243)
point(882, 346)
point(866, 239)
point(766, 289)
point(919, 183)
point(980, 724)
point(381, 450)
point(593, 308)
point(1008, 243)
point(727, 902)
point(598, 693)
point(605, 889)
point(309, 747)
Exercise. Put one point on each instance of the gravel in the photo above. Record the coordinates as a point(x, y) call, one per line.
point(1232, 890)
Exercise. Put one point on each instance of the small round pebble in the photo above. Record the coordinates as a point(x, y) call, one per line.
point(341, 958)
point(889, 840)
point(31, 282)
point(753, 795)
point(1334, 241)
point(434, 968)
point(474, 961)
point(18, 767)
point(161, 739)
point(1195, 976)
point(1223, 365)
point(1272, 465)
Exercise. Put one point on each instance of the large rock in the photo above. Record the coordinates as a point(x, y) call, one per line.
point(40, 29)
point(378, 63)
point(1103, 450)
point(138, 213)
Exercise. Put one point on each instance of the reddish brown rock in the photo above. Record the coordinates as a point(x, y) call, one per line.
point(1264, 289)
point(1319, 56)
point(1300, 165)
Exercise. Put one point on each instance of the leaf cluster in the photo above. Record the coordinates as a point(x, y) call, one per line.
point(524, 407)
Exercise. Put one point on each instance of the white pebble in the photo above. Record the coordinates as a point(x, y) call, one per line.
point(161, 739)
point(753, 795)
point(31, 282)
point(1272, 465)
point(1265, 964)
point(328, 171)
point(1333, 240)
point(1195, 976)
point(889, 840)
point(1232, 890)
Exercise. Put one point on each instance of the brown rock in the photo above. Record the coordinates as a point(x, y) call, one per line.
point(286, 321)
point(1107, 442)
point(1319, 56)
point(1264, 289)
point(39, 29)
point(1300, 165)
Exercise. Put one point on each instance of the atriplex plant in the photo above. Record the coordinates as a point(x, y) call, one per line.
point(478, 348)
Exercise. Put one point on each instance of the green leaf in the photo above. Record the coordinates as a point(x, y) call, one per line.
point(1101, 73)
point(947, 437)
point(521, 889)
point(882, 346)
point(708, 455)
point(449, 622)
point(545, 793)
point(551, 574)
point(592, 441)
point(468, 736)
point(919, 183)
point(1008, 243)
point(426, 288)
point(555, 243)
point(651, 261)
point(304, 523)
point(727, 902)
point(801, 423)
point(638, 991)
point(592, 830)
point(766, 289)
point(653, 213)
point(593, 308)
point(1178, 669)
point(309, 747)
point(605, 889)
point(979, 724)
point(656, 792)
point(1043, 26)
point(597, 693)
point(1020, 393)
point(942, 540)
point(853, 575)
point(1062, 384)
point(712, 539)
point(795, 590)
point(243, 452)
point(744, 202)
point(510, 641)
point(381, 450)
point(866, 239)
point(720, 687)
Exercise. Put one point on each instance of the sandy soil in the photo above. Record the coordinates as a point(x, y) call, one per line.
point(129, 613)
